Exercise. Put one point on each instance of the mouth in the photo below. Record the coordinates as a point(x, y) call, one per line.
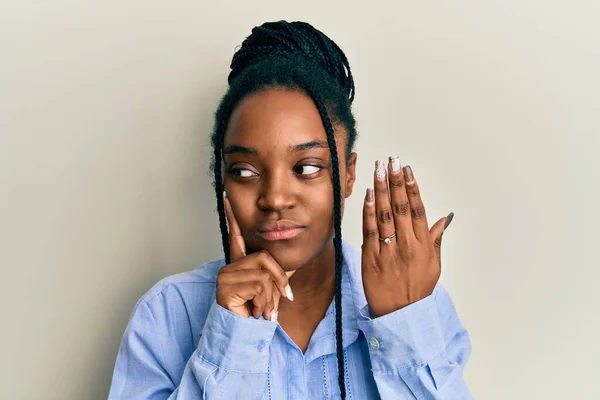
point(280, 230)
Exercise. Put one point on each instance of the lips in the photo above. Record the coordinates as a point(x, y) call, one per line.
point(280, 230)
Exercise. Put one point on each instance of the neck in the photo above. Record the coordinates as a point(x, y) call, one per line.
point(314, 280)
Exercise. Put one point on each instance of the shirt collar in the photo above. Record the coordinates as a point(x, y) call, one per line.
point(323, 339)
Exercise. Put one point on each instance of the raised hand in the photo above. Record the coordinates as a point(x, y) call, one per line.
point(251, 285)
point(401, 256)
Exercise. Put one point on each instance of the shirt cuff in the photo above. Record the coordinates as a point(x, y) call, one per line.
point(236, 343)
point(408, 337)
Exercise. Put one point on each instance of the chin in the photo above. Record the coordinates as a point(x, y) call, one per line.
point(290, 258)
point(292, 254)
point(289, 254)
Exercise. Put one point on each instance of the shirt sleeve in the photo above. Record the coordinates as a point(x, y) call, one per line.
point(230, 362)
point(420, 351)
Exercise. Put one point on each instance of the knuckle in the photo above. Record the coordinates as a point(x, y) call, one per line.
point(258, 287)
point(379, 189)
point(401, 208)
point(418, 212)
point(413, 188)
point(409, 253)
point(370, 234)
point(283, 277)
point(264, 276)
point(438, 242)
point(262, 255)
point(270, 305)
point(396, 183)
point(226, 268)
point(385, 216)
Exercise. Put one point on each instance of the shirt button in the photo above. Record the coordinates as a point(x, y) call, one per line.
point(374, 343)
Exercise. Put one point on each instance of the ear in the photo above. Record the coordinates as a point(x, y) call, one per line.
point(350, 173)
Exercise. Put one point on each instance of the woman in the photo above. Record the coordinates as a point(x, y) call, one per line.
point(293, 311)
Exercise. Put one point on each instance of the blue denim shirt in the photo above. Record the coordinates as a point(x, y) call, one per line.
point(180, 344)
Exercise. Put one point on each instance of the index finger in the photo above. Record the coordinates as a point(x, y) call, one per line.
point(237, 245)
point(370, 230)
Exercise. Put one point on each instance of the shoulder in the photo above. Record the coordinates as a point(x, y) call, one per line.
point(201, 278)
point(182, 300)
point(168, 319)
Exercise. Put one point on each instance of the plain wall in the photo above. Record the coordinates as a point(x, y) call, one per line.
point(105, 112)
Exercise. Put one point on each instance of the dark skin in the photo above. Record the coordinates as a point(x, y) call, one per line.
point(278, 168)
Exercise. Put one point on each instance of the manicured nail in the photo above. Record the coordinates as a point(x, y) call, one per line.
point(379, 170)
point(395, 164)
point(288, 293)
point(408, 174)
point(224, 194)
point(448, 220)
point(370, 196)
point(274, 315)
point(242, 245)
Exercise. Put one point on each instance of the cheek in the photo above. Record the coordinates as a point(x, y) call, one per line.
point(242, 209)
point(322, 206)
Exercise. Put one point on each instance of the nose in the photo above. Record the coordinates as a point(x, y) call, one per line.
point(276, 192)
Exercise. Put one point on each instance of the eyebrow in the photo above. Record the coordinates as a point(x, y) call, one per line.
point(235, 149)
point(314, 144)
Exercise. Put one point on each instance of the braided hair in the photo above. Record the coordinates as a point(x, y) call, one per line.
point(297, 56)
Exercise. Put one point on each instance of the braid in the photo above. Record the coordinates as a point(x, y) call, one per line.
point(220, 128)
point(337, 239)
point(294, 38)
point(299, 57)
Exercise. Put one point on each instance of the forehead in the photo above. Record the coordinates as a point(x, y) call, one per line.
point(275, 118)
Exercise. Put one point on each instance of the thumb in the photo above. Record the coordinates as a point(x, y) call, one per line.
point(437, 231)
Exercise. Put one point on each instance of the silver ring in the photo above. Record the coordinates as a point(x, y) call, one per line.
point(388, 239)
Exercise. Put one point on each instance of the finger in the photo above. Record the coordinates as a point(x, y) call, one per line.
point(273, 313)
point(263, 260)
point(264, 300)
point(436, 233)
point(270, 292)
point(236, 297)
point(417, 209)
point(399, 200)
point(383, 207)
point(236, 240)
point(370, 230)
point(247, 275)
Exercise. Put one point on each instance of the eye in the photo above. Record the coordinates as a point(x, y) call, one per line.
point(241, 172)
point(307, 169)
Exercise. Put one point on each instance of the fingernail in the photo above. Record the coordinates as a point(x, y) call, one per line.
point(224, 194)
point(379, 170)
point(370, 196)
point(242, 245)
point(274, 315)
point(288, 293)
point(448, 220)
point(408, 174)
point(395, 164)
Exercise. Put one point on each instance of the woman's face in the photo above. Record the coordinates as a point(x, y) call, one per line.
point(278, 175)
